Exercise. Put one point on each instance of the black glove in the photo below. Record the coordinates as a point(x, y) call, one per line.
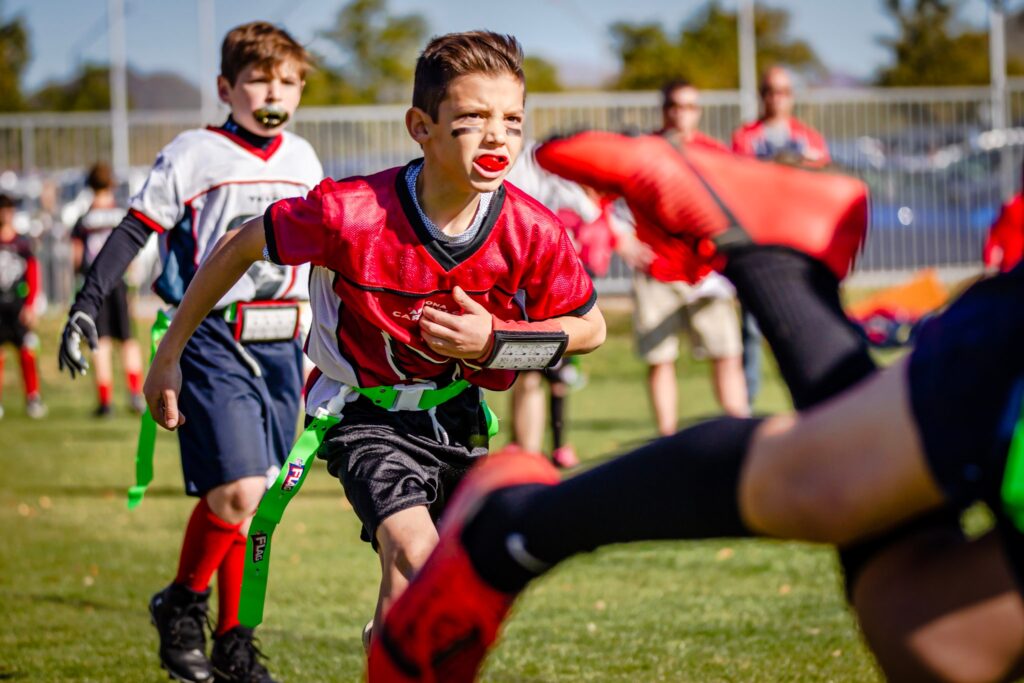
point(80, 325)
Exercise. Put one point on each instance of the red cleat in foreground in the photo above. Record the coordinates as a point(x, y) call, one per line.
point(715, 201)
point(441, 627)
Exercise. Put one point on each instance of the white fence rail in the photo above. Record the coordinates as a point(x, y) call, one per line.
point(937, 171)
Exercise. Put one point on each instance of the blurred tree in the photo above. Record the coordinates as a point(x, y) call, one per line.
point(932, 48)
point(89, 90)
point(326, 86)
point(14, 56)
point(541, 75)
point(379, 49)
point(705, 49)
point(648, 56)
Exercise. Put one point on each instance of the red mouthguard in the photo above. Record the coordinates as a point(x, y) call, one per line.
point(492, 162)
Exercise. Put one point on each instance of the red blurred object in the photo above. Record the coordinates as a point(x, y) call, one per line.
point(890, 317)
point(1004, 247)
point(440, 629)
point(711, 201)
point(595, 241)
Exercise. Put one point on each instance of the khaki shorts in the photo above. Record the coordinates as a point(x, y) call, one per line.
point(663, 310)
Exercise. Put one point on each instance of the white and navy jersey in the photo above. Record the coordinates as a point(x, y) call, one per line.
point(209, 181)
point(93, 229)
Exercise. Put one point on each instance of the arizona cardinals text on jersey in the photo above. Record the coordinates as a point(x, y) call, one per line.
point(19, 273)
point(208, 181)
point(376, 267)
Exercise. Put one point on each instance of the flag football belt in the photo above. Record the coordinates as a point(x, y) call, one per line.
point(1012, 490)
point(272, 506)
point(423, 396)
point(271, 509)
point(263, 321)
point(147, 426)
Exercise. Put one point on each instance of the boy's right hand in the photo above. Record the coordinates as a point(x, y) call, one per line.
point(80, 325)
point(162, 388)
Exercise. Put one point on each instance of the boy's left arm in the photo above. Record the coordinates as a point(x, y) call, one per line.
point(234, 253)
point(27, 316)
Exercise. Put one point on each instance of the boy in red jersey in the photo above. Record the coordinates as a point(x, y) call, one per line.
point(19, 286)
point(429, 282)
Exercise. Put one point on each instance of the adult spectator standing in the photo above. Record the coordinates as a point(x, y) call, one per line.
point(776, 135)
point(666, 306)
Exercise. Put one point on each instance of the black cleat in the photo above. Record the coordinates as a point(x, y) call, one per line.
point(179, 615)
point(236, 659)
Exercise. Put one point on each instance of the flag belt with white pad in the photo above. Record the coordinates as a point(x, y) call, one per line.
point(263, 321)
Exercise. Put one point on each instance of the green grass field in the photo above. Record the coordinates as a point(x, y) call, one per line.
point(77, 569)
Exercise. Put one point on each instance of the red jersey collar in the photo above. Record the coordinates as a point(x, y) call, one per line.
point(260, 152)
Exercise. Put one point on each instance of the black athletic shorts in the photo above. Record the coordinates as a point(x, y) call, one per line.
point(391, 461)
point(11, 329)
point(113, 320)
point(966, 378)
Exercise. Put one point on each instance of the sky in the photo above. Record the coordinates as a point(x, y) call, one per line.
point(164, 36)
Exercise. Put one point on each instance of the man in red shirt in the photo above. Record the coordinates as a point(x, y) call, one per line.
point(777, 135)
point(666, 305)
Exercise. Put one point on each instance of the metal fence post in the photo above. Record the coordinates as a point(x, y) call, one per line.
point(28, 145)
point(997, 75)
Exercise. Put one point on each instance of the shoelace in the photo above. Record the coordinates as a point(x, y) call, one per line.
point(186, 627)
point(244, 655)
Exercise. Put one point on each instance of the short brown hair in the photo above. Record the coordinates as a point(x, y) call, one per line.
point(670, 88)
point(459, 54)
point(260, 44)
point(100, 177)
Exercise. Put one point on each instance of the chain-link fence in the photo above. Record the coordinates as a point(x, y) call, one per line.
point(937, 171)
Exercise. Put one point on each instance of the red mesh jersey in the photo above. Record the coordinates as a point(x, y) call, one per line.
point(386, 267)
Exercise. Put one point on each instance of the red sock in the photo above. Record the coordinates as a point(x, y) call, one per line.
point(208, 538)
point(229, 585)
point(105, 391)
point(135, 382)
point(29, 373)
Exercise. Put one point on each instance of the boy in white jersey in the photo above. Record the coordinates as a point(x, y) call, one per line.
point(242, 371)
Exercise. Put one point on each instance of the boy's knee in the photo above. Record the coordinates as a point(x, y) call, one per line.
point(237, 500)
point(407, 552)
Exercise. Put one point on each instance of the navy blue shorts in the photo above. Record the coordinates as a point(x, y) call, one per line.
point(965, 385)
point(241, 404)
